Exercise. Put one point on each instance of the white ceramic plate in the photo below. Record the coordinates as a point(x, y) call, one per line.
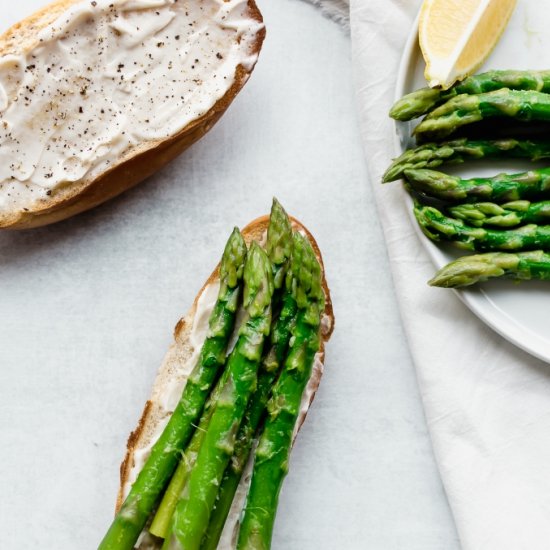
point(520, 312)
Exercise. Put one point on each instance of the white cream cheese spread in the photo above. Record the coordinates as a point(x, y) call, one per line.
point(173, 387)
point(108, 76)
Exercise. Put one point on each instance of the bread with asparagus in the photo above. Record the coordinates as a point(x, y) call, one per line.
point(229, 398)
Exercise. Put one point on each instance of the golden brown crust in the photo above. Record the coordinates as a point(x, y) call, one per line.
point(22, 35)
point(138, 163)
point(126, 466)
point(254, 231)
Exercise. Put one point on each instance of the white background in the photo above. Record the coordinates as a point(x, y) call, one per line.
point(88, 307)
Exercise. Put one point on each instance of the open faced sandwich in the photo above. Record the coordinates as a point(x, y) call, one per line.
point(206, 463)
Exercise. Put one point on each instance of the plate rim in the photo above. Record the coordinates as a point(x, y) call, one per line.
point(475, 299)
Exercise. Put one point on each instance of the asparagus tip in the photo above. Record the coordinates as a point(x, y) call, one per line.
point(469, 270)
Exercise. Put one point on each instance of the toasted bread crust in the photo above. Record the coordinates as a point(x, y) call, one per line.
point(139, 162)
point(254, 231)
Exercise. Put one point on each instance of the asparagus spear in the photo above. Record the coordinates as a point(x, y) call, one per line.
point(437, 226)
point(272, 453)
point(279, 243)
point(160, 465)
point(534, 184)
point(421, 101)
point(466, 109)
point(507, 215)
point(278, 247)
point(161, 522)
point(470, 270)
point(192, 514)
point(432, 155)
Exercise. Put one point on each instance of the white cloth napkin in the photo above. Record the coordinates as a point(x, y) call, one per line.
point(487, 403)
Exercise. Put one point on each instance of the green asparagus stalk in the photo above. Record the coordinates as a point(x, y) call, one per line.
point(159, 467)
point(272, 453)
point(278, 247)
point(161, 522)
point(436, 226)
point(192, 513)
point(422, 101)
point(470, 270)
point(510, 214)
point(432, 155)
point(280, 337)
point(467, 109)
point(534, 184)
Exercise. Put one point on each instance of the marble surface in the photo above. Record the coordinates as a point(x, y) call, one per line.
point(88, 307)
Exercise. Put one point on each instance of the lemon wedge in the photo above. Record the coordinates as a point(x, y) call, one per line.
point(456, 36)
